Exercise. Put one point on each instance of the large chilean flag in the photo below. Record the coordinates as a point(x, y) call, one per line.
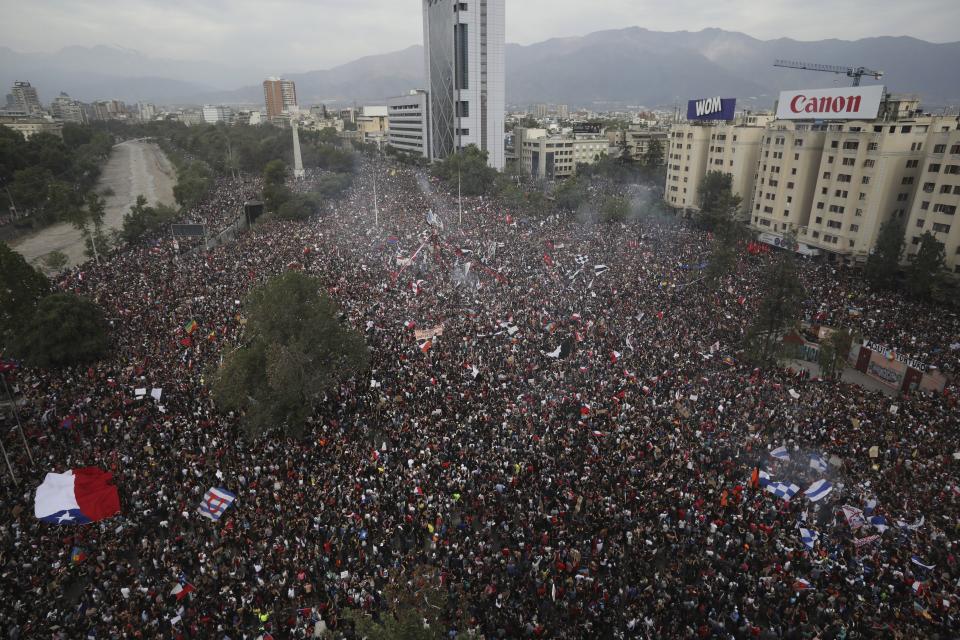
point(79, 496)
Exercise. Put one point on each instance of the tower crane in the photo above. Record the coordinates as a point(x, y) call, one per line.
point(853, 72)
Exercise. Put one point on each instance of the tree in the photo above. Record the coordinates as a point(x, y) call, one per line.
point(21, 288)
point(297, 349)
point(469, 168)
point(570, 194)
point(626, 157)
point(298, 207)
point(718, 204)
point(833, 353)
point(65, 330)
point(194, 182)
point(55, 261)
point(275, 173)
point(615, 209)
point(144, 220)
point(883, 263)
point(778, 309)
point(926, 272)
point(653, 157)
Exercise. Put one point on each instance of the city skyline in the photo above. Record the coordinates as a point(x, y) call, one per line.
point(322, 34)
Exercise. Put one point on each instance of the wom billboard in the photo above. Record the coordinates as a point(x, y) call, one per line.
point(843, 103)
point(712, 109)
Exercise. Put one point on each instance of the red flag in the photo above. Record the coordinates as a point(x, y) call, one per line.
point(186, 342)
point(660, 315)
point(741, 300)
point(548, 259)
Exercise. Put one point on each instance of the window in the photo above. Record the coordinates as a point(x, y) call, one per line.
point(849, 162)
point(924, 206)
point(902, 197)
point(819, 220)
point(912, 164)
point(945, 188)
point(836, 209)
point(955, 149)
point(945, 209)
point(915, 240)
point(854, 228)
point(829, 159)
point(820, 205)
point(816, 234)
point(843, 177)
point(934, 168)
point(940, 148)
point(907, 180)
point(798, 142)
point(824, 191)
point(952, 169)
point(906, 130)
point(920, 223)
point(869, 164)
point(826, 175)
point(941, 228)
point(835, 144)
point(865, 180)
point(789, 185)
point(873, 146)
point(840, 194)
point(850, 146)
point(833, 224)
point(928, 187)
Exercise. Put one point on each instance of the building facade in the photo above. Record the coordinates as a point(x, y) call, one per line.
point(280, 96)
point(464, 57)
point(408, 122)
point(214, 113)
point(542, 155)
point(938, 197)
point(25, 98)
point(30, 126)
point(66, 109)
point(686, 164)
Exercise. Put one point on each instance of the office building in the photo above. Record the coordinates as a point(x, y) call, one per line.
point(563, 112)
point(408, 123)
point(938, 196)
point(539, 111)
point(280, 96)
point(543, 155)
point(25, 98)
point(638, 140)
point(464, 56)
point(66, 109)
point(146, 111)
point(214, 113)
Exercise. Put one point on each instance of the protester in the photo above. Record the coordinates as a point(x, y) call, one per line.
point(577, 455)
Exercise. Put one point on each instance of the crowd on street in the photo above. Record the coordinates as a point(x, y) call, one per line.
point(558, 438)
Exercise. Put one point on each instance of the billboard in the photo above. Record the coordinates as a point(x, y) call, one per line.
point(712, 109)
point(839, 103)
point(588, 127)
point(188, 230)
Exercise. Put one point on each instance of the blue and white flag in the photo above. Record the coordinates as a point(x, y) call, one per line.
point(870, 506)
point(879, 523)
point(215, 502)
point(818, 490)
point(763, 478)
point(916, 560)
point(780, 453)
point(784, 491)
point(809, 537)
point(817, 462)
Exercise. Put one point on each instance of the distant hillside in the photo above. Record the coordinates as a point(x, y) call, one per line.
point(625, 66)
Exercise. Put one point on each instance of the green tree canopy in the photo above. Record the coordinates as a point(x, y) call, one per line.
point(927, 270)
point(194, 182)
point(65, 330)
point(144, 220)
point(299, 207)
point(469, 166)
point(654, 154)
point(297, 348)
point(779, 308)
point(570, 194)
point(719, 206)
point(21, 288)
point(883, 263)
point(615, 209)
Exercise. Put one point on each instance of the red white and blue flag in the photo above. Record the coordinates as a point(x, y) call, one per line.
point(182, 588)
point(79, 496)
point(215, 502)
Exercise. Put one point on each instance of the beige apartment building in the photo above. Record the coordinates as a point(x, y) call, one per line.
point(638, 140)
point(938, 196)
point(786, 177)
point(695, 149)
point(868, 174)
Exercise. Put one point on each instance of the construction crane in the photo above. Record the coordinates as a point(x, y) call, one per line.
point(853, 72)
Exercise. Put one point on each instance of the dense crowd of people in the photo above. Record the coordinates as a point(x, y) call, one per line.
point(578, 452)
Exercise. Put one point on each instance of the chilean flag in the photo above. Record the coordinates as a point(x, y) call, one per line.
point(79, 496)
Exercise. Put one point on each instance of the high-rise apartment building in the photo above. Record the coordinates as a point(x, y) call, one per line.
point(938, 196)
point(279, 95)
point(214, 113)
point(66, 109)
point(464, 56)
point(25, 98)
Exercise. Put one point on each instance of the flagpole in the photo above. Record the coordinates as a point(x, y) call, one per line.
point(7, 458)
point(16, 413)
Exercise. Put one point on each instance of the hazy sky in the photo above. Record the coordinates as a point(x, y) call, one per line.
point(300, 35)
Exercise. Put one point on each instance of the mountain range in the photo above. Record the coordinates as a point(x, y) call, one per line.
point(632, 66)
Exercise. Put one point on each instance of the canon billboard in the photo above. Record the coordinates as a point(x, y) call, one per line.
point(844, 103)
point(712, 109)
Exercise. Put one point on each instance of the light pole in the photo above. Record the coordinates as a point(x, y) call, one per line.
point(16, 413)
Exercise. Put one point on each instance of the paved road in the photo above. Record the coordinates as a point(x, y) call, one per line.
point(134, 168)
